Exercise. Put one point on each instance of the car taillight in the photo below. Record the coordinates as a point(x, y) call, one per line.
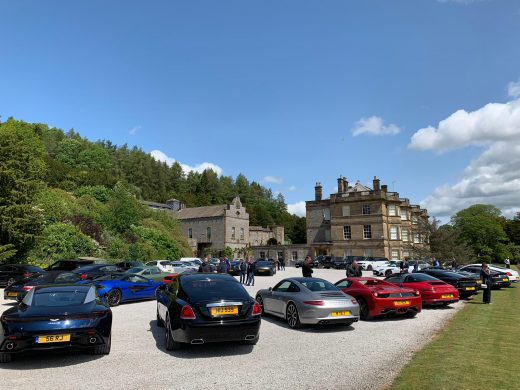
point(354, 301)
point(27, 275)
point(314, 303)
point(27, 288)
point(187, 313)
point(83, 276)
point(257, 310)
point(509, 274)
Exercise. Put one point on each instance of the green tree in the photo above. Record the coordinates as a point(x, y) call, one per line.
point(123, 209)
point(6, 252)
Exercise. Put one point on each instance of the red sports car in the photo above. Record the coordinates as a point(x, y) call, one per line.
point(379, 298)
point(433, 291)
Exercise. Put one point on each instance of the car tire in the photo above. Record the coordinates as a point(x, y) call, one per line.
point(114, 297)
point(103, 349)
point(363, 309)
point(160, 322)
point(171, 344)
point(251, 342)
point(411, 314)
point(292, 316)
point(260, 301)
point(6, 357)
point(388, 273)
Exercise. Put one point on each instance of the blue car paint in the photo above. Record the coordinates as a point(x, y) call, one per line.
point(130, 290)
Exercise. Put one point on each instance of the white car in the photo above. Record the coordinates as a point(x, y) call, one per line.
point(369, 265)
point(183, 265)
point(163, 265)
point(393, 267)
point(194, 260)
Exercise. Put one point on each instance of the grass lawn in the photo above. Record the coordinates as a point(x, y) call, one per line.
point(478, 349)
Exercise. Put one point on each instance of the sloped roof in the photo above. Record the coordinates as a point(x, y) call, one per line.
point(201, 212)
point(358, 187)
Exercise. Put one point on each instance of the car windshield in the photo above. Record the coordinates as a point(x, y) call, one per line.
point(68, 277)
point(319, 285)
point(134, 270)
point(61, 297)
point(205, 288)
point(420, 278)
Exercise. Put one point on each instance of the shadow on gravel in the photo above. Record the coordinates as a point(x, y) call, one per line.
point(48, 359)
point(332, 328)
point(437, 307)
point(209, 350)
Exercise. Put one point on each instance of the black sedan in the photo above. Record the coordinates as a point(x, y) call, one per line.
point(235, 268)
point(498, 279)
point(265, 267)
point(11, 273)
point(56, 317)
point(18, 290)
point(466, 285)
point(204, 308)
point(95, 271)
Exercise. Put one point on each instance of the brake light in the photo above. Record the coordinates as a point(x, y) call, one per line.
point(187, 313)
point(27, 275)
point(27, 288)
point(257, 310)
point(509, 274)
point(314, 303)
point(83, 276)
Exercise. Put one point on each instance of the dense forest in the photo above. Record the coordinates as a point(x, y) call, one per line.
point(62, 195)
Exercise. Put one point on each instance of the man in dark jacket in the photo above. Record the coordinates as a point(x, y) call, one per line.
point(206, 266)
point(354, 270)
point(306, 267)
point(243, 271)
point(222, 267)
point(251, 269)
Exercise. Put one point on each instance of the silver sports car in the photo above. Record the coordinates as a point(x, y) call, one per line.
point(308, 301)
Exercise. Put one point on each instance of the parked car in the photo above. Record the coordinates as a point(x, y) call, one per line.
point(327, 262)
point(126, 288)
point(433, 291)
point(195, 260)
point(308, 301)
point(68, 265)
point(163, 265)
point(387, 269)
point(10, 273)
point(499, 274)
point(180, 266)
point(149, 273)
point(126, 265)
point(235, 268)
point(513, 275)
point(18, 290)
point(369, 263)
point(265, 267)
point(204, 308)
point(56, 317)
point(379, 298)
point(95, 271)
point(466, 285)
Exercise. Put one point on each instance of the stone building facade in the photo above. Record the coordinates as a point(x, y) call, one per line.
point(363, 221)
point(291, 253)
point(259, 235)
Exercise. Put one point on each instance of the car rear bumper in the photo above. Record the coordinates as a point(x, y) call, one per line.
point(193, 333)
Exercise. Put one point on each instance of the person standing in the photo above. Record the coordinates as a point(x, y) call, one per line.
point(416, 266)
point(243, 271)
point(251, 269)
point(485, 275)
point(282, 263)
point(507, 263)
point(222, 267)
point(206, 266)
point(306, 267)
point(354, 270)
point(436, 262)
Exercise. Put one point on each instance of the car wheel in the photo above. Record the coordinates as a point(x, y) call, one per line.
point(171, 344)
point(114, 297)
point(388, 272)
point(293, 319)
point(10, 281)
point(369, 268)
point(411, 314)
point(103, 349)
point(261, 303)
point(6, 357)
point(363, 309)
point(160, 322)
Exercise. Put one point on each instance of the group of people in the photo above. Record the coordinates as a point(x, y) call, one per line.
point(247, 271)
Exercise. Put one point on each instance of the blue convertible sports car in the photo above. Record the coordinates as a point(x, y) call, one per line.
point(128, 287)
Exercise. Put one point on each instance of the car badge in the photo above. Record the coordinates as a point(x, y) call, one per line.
point(54, 319)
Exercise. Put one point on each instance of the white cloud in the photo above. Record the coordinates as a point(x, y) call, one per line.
point(161, 156)
point(292, 188)
point(513, 89)
point(297, 208)
point(374, 126)
point(134, 130)
point(494, 176)
point(272, 179)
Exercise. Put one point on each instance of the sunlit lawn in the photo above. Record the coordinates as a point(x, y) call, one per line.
point(478, 349)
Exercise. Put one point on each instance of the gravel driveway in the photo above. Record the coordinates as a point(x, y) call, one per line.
point(366, 355)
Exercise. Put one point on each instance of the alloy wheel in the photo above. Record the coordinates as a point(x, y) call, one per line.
point(292, 316)
point(114, 298)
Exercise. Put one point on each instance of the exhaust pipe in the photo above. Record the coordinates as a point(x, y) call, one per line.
point(197, 341)
point(92, 340)
point(9, 346)
point(250, 337)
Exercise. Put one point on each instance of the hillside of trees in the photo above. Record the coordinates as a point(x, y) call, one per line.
point(62, 196)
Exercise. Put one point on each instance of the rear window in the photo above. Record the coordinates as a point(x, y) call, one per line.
point(61, 297)
point(32, 268)
point(420, 278)
point(319, 285)
point(205, 289)
point(67, 278)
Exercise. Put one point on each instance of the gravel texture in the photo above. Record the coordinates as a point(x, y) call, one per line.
point(366, 355)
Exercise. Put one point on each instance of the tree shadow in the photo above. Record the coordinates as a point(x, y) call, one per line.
point(208, 350)
point(329, 328)
point(33, 360)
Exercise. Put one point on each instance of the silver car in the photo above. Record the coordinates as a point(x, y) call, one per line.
point(308, 301)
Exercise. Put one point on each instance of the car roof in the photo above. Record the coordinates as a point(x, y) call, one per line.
point(206, 276)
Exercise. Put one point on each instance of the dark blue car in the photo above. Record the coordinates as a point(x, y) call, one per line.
point(56, 317)
point(127, 287)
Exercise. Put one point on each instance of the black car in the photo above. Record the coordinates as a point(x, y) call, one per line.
point(11, 273)
point(498, 279)
point(265, 267)
point(466, 285)
point(68, 265)
point(235, 268)
point(126, 265)
point(204, 308)
point(56, 317)
point(95, 271)
point(18, 290)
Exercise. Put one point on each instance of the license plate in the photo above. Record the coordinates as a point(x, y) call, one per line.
point(55, 338)
point(224, 311)
point(401, 303)
point(12, 294)
point(470, 288)
point(447, 296)
point(505, 280)
point(340, 313)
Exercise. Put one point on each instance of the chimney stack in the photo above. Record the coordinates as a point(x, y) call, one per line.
point(318, 191)
point(345, 184)
point(384, 188)
point(376, 184)
point(341, 189)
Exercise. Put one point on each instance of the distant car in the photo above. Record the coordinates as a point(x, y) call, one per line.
point(499, 276)
point(513, 275)
point(126, 265)
point(379, 298)
point(205, 308)
point(195, 260)
point(327, 262)
point(308, 301)
point(10, 273)
point(369, 263)
point(149, 273)
point(387, 269)
point(18, 290)
point(163, 265)
point(94, 271)
point(299, 263)
point(235, 268)
point(264, 267)
point(433, 291)
point(127, 287)
point(179, 266)
point(466, 286)
point(68, 265)
point(56, 317)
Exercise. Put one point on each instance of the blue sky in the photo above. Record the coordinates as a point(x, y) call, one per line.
point(277, 89)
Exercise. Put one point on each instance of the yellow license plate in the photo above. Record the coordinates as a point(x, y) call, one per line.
point(470, 288)
point(224, 311)
point(12, 294)
point(340, 313)
point(447, 296)
point(55, 338)
point(401, 303)
point(505, 280)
